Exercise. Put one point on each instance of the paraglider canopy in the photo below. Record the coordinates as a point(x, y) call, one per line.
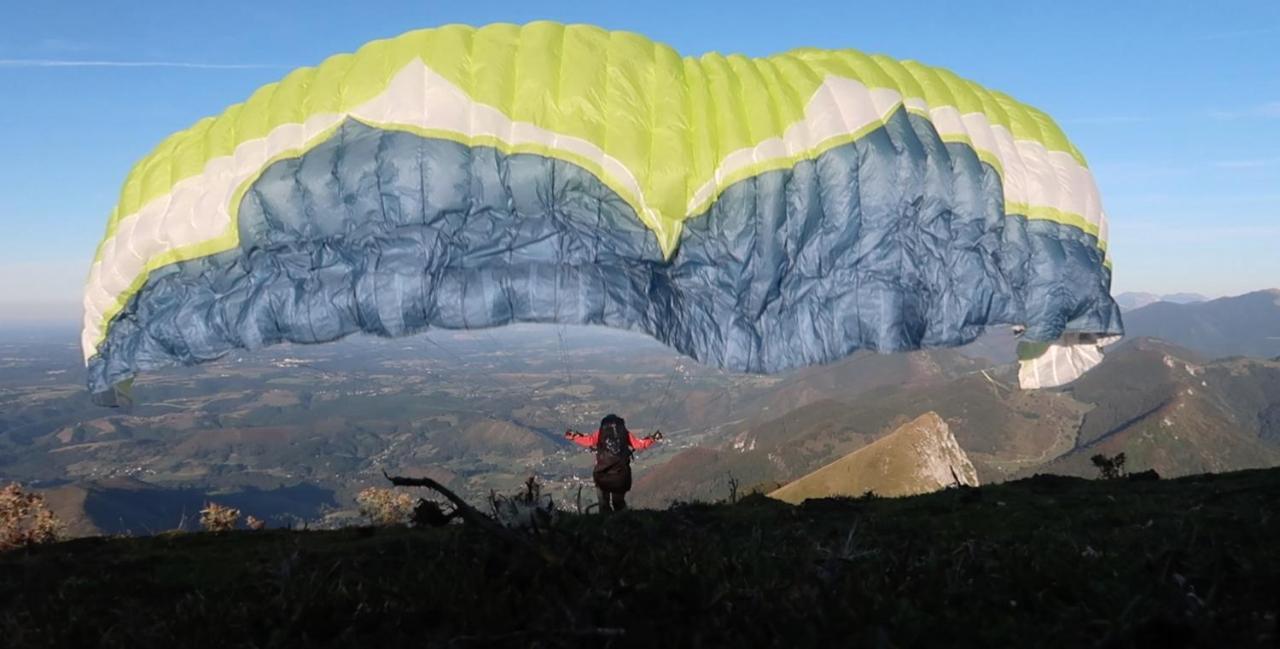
point(755, 214)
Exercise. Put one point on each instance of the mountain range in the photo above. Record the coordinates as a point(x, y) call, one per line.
point(1244, 325)
point(1136, 300)
point(291, 433)
point(1165, 407)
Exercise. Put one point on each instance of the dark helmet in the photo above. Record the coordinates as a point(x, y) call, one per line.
point(612, 419)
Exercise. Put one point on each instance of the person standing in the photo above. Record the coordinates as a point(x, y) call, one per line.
point(614, 446)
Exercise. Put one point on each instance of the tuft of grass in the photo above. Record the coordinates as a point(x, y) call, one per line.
point(1045, 562)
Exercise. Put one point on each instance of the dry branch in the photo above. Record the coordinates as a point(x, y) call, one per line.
point(469, 514)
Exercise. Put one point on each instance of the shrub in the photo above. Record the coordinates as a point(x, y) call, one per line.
point(385, 506)
point(24, 519)
point(218, 518)
point(1109, 468)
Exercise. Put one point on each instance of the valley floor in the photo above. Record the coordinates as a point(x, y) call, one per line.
point(1047, 561)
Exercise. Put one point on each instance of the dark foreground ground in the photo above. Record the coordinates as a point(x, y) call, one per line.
point(1041, 562)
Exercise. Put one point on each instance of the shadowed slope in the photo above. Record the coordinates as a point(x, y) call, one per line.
point(1045, 562)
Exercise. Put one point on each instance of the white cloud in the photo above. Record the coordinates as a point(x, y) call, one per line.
point(1237, 34)
point(63, 45)
point(1265, 110)
point(1256, 163)
point(1130, 171)
point(1105, 120)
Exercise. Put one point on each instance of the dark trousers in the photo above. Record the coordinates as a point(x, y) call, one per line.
point(611, 501)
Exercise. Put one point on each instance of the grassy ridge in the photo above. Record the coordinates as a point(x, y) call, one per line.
point(1047, 561)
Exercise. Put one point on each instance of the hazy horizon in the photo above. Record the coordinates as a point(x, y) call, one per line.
point(38, 313)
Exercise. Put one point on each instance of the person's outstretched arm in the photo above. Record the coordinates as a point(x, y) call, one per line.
point(641, 443)
point(587, 441)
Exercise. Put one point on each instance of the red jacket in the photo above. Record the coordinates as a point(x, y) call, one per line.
point(589, 441)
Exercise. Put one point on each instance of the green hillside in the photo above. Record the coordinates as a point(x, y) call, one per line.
point(1043, 562)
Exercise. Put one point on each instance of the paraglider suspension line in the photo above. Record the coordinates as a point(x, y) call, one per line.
point(666, 394)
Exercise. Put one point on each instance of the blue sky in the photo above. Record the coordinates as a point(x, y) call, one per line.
point(1175, 104)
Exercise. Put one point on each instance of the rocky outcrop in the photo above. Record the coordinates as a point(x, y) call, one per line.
point(918, 457)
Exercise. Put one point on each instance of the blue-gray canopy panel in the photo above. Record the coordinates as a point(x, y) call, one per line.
point(894, 242)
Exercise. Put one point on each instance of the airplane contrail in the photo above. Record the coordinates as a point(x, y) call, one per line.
point(63, 63)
